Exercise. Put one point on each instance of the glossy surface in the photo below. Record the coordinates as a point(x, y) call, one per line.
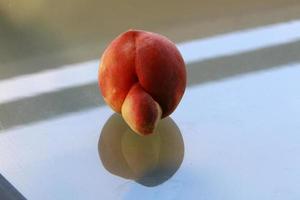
point(150, 161)
point(241, 141)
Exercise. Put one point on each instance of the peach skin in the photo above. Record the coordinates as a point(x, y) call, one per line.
point(142, 76)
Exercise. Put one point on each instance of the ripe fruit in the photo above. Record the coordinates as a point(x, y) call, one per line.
point(142, 76)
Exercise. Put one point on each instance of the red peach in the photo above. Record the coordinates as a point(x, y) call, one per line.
point(142, 76)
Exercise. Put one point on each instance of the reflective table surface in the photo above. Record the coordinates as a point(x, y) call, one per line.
point(236, 138)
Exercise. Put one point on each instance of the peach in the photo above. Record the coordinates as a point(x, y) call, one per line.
point(142, 75)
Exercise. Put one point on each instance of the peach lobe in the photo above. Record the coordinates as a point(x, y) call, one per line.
point(142, 76)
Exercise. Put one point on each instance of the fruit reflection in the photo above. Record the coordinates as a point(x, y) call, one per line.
point(149, 160)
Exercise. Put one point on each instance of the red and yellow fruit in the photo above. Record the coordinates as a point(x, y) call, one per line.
point(142, 76)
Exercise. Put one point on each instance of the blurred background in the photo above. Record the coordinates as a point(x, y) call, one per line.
point(40, 34)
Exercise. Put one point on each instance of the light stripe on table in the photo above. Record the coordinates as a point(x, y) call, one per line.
point(69, 76)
